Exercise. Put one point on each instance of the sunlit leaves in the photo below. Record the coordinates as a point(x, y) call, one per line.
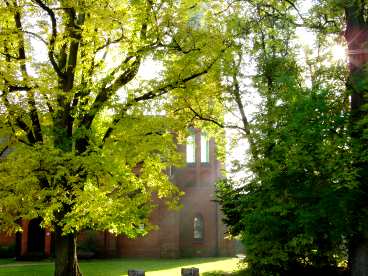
point(69, 74)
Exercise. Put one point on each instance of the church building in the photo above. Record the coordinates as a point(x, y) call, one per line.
point(195, 230)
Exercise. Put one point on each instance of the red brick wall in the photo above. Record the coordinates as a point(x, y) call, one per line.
point(175, 236)
point(6, 240)
point(198, 202)
point(102, 243)
point(163, 242)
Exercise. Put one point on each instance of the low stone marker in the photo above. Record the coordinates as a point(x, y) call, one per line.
point(193, 271)
point(135, 272)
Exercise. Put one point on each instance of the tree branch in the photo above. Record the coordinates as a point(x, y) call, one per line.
point(9, 56)
point(3, 150)
point(36, 36)
point(53, 36)
point(198, 115)
point(13, 88)
point(30, 95)
point(236, 95)
point(109, 42)
point(296, 9)
point(155, 94)
point(17, 120)
point(107, 92)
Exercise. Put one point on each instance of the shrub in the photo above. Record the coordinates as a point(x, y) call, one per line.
point(7, 251)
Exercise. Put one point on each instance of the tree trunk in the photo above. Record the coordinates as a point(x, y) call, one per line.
point(66, 262)
point(358, 259)
point(356, 36)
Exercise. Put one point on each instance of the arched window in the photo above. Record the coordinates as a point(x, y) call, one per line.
point(198, 227)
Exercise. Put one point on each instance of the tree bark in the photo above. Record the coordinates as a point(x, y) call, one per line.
point(356, 36)
point(66, 262)
point(358, 257)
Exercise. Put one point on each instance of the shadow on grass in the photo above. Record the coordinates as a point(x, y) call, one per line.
point(119, 267)
point(305, 271)
point(224, 273)
point(148, 265)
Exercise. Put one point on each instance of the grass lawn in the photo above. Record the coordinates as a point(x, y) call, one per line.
point(119, 267)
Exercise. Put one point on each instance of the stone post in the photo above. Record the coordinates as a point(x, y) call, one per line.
point(193, 271)
point(135, 272)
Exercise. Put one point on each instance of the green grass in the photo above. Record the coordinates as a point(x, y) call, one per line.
point(119, 267)
point(6, 261)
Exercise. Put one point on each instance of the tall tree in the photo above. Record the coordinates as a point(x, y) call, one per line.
point(356, 35)
point(74, 110)
point(349, 18)
point(270, 27)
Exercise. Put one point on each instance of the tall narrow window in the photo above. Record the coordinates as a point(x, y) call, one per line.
point(205, 148)
point(191, 148)
point(198, 227)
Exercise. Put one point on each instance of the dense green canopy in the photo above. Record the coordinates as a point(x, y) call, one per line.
point(303, 202)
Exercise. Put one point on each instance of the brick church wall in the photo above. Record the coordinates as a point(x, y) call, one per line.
point(163, 242)
point(196, 202)
point(175, 236)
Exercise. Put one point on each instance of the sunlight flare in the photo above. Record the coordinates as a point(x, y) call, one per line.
point(338, 52)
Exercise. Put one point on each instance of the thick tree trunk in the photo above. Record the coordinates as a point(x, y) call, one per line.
point(356, 36)
point(359, 258)
point(66, 262)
